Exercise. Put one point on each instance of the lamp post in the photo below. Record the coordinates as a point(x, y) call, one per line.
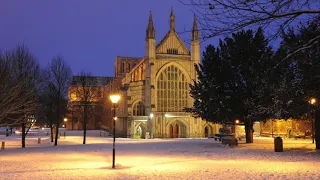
point(65, 122)
point(313, 102)
point(114, 99)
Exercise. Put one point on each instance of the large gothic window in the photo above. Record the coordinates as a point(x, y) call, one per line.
point(172, 90)
point(138, 109)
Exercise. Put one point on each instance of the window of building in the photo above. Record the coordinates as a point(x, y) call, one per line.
point(122, 68)
point(129, 66)
point(172, 51)
point(138, 109)
point(172, 90)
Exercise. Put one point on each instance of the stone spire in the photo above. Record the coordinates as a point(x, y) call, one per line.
point(172, 20)
point(150, 33)
point(195, 31)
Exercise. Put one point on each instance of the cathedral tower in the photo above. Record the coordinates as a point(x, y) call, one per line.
point(195, 42)
point(150, 39)
point(172, 20)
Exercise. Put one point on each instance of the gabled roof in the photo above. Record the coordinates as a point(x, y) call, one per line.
point(174, 35)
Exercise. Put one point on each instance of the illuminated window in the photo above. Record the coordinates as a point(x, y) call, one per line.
point(73, 95)
point(172, 90)
point(138, 109)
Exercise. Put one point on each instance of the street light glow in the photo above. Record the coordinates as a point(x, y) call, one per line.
point(151, 115)
point(313, 101)
point(237, 121)
point(65, 119)
point(114, 98)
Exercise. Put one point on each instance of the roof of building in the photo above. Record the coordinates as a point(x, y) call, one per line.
point(93, 80)
point(166, 37)
point(131, 58)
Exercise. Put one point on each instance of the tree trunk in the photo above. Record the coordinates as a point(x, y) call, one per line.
point(58, 122)
point(23, 134)
point(85, 111)
point(317, 129)
point(249, 130)
point(51, 129)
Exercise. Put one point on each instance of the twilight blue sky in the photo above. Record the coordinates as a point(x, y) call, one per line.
point(89, 34)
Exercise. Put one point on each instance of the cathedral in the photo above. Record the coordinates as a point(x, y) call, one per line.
point(155, 88)
point(154, 91)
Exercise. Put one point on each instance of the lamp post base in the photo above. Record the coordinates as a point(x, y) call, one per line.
point(113, 158)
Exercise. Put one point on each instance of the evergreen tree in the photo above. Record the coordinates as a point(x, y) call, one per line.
point(306, 65)
point(231, 80)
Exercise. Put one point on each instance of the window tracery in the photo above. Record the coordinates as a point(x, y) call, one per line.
point(172, 90)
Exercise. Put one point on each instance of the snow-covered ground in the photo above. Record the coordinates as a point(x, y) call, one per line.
point(157, 159)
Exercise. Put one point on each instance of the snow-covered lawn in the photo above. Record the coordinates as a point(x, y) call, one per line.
point(157, 159)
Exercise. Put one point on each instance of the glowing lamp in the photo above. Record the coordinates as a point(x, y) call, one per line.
point(313, 101)
point(114, 98)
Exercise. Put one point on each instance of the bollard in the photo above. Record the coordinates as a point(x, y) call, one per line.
point(39, 140)
point(2, 145)
point(278, 144)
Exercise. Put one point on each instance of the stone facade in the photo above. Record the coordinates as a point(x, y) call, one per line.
point(156, 89)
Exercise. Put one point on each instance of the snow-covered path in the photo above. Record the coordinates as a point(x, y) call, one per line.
point(159, 159)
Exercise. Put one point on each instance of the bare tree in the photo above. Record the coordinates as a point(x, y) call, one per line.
point(19, 74)
point(59, 77)
point(222, 17)
point(47, 104)
point(87, 95)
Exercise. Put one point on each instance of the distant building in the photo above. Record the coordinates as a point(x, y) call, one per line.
point(97, 114)
point(155, 88)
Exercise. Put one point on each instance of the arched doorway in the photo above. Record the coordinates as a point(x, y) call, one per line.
point(206, 132)
point(177, 129)
point(140, 130)
point(170, 131)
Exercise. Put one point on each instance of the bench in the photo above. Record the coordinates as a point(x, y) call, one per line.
point(220, 136)
point(231, 141)
point(214, 137)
